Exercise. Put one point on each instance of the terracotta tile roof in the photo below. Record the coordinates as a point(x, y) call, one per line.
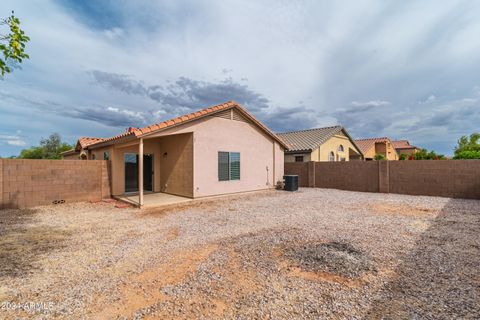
point(367, 144)
point(84, 142)
point(140, 132)
point(402, 144)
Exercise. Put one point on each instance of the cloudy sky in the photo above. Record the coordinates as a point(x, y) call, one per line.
point(403, 69)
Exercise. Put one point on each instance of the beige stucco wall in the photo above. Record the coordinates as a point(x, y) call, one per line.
point(321, 153)
point(332, 144)
point(117, 157)
point(75, 156)
point(176, 164)
point(291, 157)
point(383, 148)
point(257, 152)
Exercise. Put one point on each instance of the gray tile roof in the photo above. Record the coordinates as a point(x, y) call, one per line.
point(307, 140)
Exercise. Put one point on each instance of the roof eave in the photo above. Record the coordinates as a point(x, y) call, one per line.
point(101, 144)
point(236, 106)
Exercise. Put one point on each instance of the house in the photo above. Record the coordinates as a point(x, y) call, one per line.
point(320, 144)
point(218, 150)
point(372, 146)
point(404, 147)
point(80, 151)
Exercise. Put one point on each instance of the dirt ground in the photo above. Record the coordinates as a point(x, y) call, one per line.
point(311, 254)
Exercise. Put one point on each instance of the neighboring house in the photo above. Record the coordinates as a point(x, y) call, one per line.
point(321, 144)
point(217, 150)
point(81, 152)
point(372, 146)
point(404, 147)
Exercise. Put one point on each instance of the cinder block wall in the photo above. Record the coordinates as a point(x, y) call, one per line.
point(351, 175)
point(455, 179)
point(446, 178)
point(27, 183)
point(301, 170)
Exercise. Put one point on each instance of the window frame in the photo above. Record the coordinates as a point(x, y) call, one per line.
point(229, 162)
point(331, 156)
point(299, 157)
point(341, 148)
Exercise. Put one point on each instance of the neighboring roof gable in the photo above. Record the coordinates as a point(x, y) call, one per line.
point(308, 140)
point(402, 144)
point(366, 144)
point(148, 130)
point(84, 142)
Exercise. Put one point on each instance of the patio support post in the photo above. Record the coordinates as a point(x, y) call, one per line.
point(140, 173)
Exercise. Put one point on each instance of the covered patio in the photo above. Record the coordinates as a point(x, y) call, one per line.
point(153, 199)
point(154, 171)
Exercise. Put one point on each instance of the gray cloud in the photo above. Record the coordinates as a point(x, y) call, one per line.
point(185, 94)
point(119, 82)
point(290, 119)
point(111, 116)
point(337, 57)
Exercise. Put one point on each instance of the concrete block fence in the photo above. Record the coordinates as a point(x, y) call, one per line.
point(445, 178)
point(27, 183)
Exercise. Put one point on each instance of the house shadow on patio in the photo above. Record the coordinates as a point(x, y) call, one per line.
point(440, 277)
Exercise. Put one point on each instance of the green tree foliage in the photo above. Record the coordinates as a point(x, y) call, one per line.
point(467, 155)
point(12, 45)
point(49, 148)
point(468, 147)
point(424, 154)
point(379, 156)
point(403, 156)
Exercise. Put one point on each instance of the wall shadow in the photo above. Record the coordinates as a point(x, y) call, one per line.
point(440, 277)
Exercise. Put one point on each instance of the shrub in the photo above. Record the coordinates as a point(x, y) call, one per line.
point(467, 155)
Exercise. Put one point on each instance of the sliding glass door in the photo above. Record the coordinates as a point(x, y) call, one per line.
point(131, 172)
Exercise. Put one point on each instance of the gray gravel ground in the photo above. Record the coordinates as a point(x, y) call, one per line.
point(312, 254)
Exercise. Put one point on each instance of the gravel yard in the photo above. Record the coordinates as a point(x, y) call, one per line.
point(312, 254)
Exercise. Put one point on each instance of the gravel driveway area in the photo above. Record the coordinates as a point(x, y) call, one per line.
point(311, 254)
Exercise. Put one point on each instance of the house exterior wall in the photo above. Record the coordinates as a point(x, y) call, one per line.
point(75, 156)
point(332, 144)
point(408, 151)
point(176, 164)
point(290, 157)
point(117, 158)
point(322, 152)
point(385, 148)
point(98, 154)
point(258, 152)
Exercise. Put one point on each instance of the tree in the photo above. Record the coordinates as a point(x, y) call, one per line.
point(379, 156)
point(424, 154)
point(12, 45)
point(468, 147)
point(49, 148)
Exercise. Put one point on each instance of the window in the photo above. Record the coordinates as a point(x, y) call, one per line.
point(298, 158)
point(228, 166)
point(106, 155)
point(93, 156)
point(331, 156)
point(340, 148)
